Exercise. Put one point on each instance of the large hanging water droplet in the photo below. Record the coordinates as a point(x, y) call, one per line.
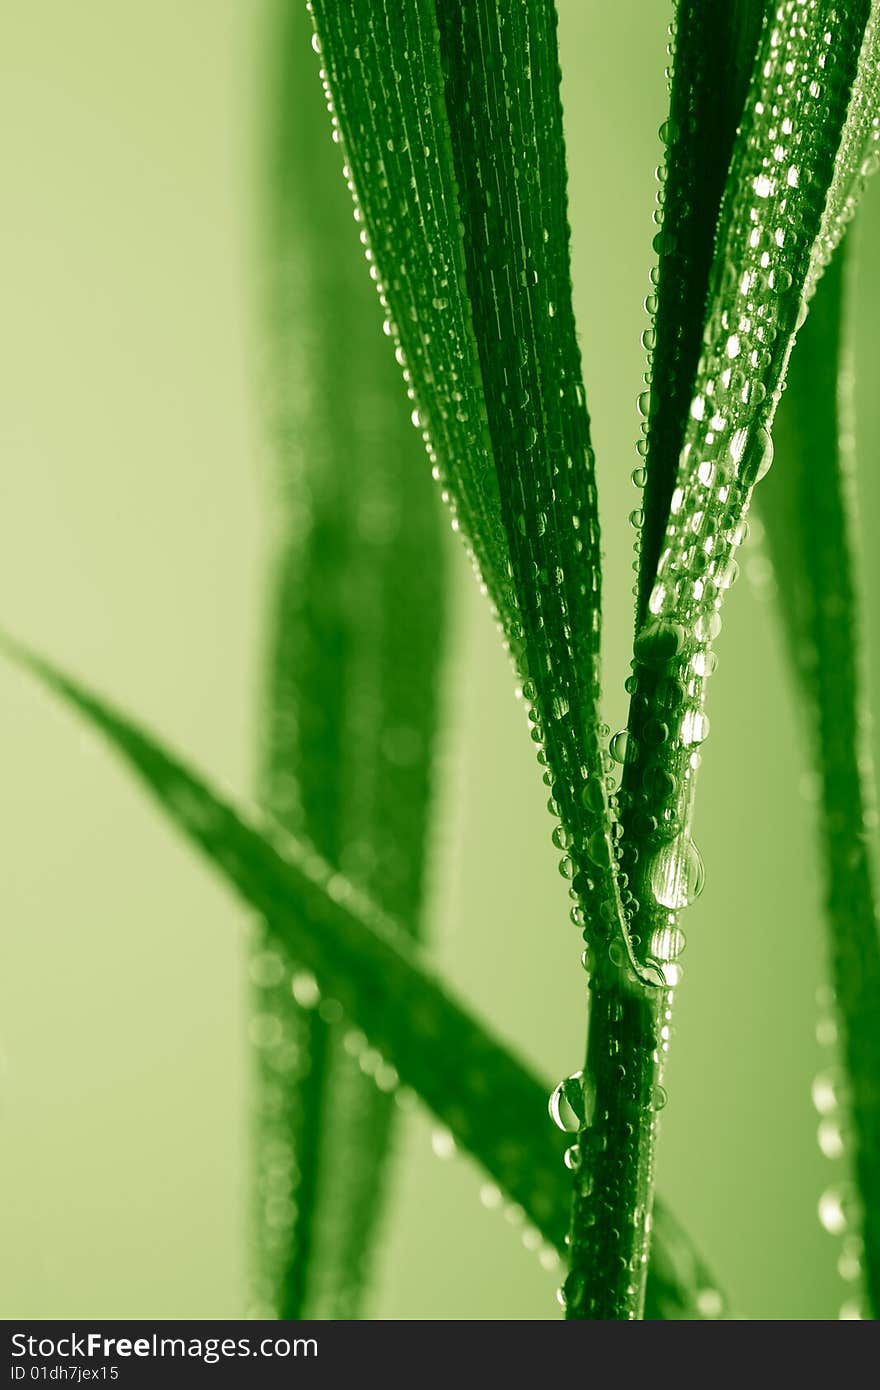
point(658, 643)
point(622, 747)
point(677, 873)
point(753, 456)
point(570, 1104)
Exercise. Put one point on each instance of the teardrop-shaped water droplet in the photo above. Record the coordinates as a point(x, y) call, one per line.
point(677, 873)
point(757, 458)
point(622, 747)
point(569, 1104)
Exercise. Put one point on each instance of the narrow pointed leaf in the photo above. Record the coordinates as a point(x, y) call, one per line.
point(350, 955)
point(712, 63)
point(807, 510)
point(714, 55)
point(859, 154)
point(782, 167)
point(382, 72)
point(505, 115)
point(350, 691)
point(451, 121)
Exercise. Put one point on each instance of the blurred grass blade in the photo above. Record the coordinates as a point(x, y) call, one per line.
point(350, 957)
point(349, 710)
point(807, 510)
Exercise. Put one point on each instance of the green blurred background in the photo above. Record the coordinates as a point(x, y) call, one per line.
point(133, 549)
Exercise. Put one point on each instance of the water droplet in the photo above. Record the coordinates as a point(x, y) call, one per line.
point(826, 1092)
point(622, 747)
point(570, 1104)
point(443, 1143)
point(305, 990)
point(658, 1098)
point(707, 626)
point(593, 796)
point(694, 727)
point(835, 1210)
point(710, 1304)
point(677, 873)
point(752, 452)
point(704, 662)
point(658, 643)
point(830, 1138)
point(561, 838)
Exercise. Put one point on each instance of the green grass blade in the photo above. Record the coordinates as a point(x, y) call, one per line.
point(505, 117)
point(781, 168)
point(351, 957)
point(714, 49)
point(351, 689)
point(807, 510)
point(452, 126)
point(859, 154)
point(381, 66)
point(715, 45)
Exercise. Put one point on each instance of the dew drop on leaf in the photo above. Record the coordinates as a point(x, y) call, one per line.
point(304, 988)
point(442, 1143)
point(622, 747)
point(677, 873)
point(835, 1210)
point(826, 1092)
point(570, 1104)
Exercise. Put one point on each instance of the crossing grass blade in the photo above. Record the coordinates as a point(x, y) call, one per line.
point(807, 510)
point(352, 959)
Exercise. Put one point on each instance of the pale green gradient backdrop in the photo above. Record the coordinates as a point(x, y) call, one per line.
point(132, 548)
